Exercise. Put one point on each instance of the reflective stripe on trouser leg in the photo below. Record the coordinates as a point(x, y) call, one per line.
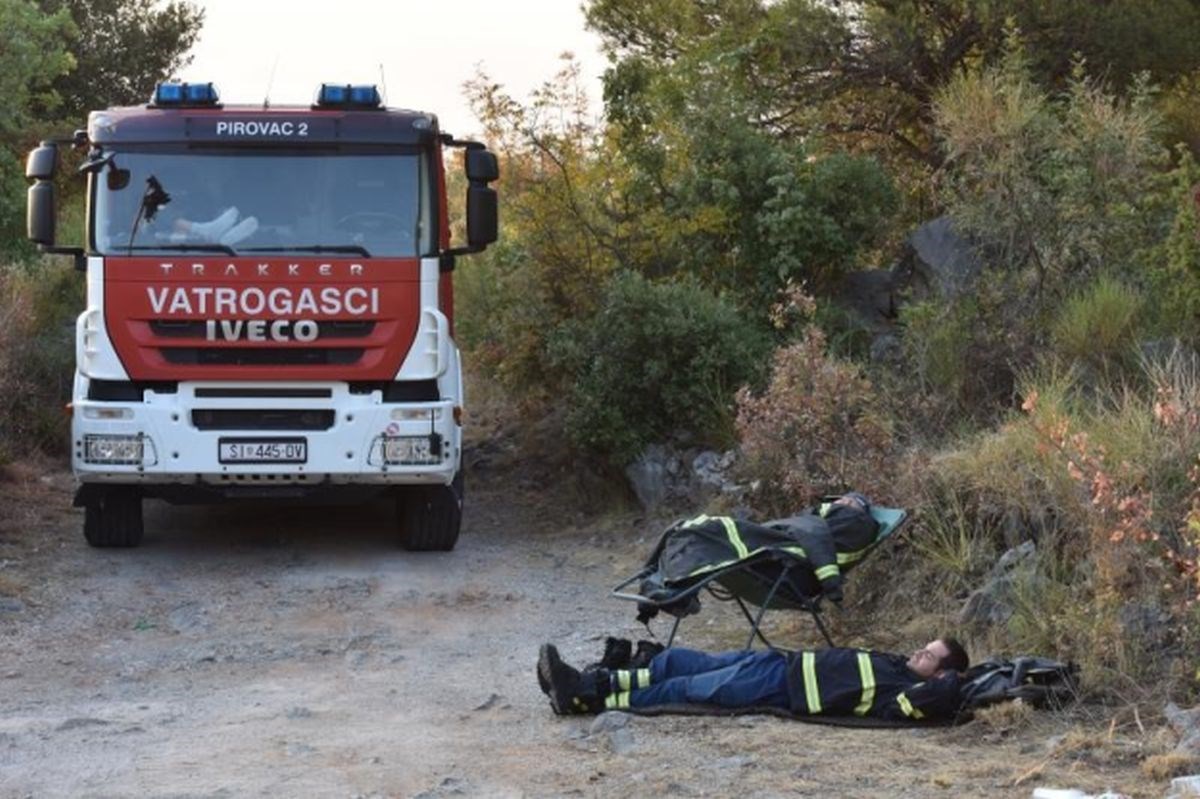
point(617, 701)
point(812, 694)
point(866, 673)
point(629, 679)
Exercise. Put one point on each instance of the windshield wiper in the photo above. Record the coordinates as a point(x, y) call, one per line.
point(225, 248)
point(356, 249)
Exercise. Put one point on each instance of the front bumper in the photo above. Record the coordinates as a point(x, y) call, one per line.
point(176, 451)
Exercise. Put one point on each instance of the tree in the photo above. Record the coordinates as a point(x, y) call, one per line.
point(33, 53)
point(122, 49)
point(868, 71)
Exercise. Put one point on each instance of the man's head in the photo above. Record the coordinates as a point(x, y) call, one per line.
point(938, 656)
point(853, 499)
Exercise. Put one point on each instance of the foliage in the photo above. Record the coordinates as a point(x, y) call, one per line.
point(1097, 325)
point(122, 48)
point(1056, 186)
point(715, 199)
point(867, 71)
point(817, 427)
point(656, 360)
point(1104, 481)
point(37, 352)
point(33, 53)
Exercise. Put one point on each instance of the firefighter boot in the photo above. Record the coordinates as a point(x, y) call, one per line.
point(571, 693)
point(617, 652)
point(646, 650)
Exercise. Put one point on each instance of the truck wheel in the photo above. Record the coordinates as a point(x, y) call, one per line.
point(430, 516)
point(115, 520)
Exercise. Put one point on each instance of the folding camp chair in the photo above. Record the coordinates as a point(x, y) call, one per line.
point(747, 563)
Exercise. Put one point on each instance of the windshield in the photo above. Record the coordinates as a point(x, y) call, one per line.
point(365, 204)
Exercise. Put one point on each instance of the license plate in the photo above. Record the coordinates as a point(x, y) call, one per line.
point(262, 450)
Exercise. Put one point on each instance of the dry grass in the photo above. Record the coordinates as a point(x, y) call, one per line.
point(1169, 766)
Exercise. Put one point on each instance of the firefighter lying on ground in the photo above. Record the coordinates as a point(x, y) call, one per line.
point(835, 682)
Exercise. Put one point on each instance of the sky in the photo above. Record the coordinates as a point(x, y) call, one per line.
point(426, 49)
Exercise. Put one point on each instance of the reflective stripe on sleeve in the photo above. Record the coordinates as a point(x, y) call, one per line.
point(827, 571)
point(867, 673)
point(623, 680)
point(734, 537)
point(643, 678)
point(812, 694)
point(907, 707)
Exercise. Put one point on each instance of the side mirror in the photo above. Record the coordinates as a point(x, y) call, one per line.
point(483, 220)
point(42, 162)
point(41, 213)
point(482, 166)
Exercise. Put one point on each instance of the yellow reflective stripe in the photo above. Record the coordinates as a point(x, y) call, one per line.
point(812, 694)
point(796, 551)
point(623, 680)
point(701, 519)
point(734, 538)
point(852, 557)
point(825, 508)
point(907, 707)
point(825, 572)
point(616, 701)
point(867, 673)
point(643, 678)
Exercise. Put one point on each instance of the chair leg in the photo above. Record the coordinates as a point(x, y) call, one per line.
point(674, 629)
point(816, 614)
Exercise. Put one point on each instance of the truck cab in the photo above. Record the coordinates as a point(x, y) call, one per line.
point(269, 307)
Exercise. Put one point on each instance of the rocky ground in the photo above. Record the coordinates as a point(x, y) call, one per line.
point(265, 651)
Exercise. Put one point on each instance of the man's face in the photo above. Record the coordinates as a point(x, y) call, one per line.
point(850, 502)
point(927, 662)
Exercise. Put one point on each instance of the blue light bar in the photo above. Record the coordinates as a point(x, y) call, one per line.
point(168, 94)
point(184, 94)
point(346, 96)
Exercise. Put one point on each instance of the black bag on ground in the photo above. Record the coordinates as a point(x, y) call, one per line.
point(1041, 682)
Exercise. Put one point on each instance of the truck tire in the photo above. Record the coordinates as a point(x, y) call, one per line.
point(430, 516)
point(115, 520)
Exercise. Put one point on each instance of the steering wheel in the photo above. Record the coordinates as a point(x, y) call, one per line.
point(370, 222)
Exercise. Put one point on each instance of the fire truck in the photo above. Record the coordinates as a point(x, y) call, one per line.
point(270, 312)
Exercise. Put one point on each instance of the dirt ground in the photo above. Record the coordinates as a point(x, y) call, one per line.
point(266, 651)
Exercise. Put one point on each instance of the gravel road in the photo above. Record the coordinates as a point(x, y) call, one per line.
point(265, 651)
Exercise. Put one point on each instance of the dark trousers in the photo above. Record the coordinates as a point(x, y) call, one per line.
point(730, 679)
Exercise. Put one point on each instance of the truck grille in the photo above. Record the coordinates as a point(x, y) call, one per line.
point(262, 356)
point(167, 328)
point(255, 419)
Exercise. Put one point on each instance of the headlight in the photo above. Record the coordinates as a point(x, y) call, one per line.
point(116, 450)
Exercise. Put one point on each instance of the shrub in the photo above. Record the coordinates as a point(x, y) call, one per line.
point(1105, 481)
point(656, 360)
point(37, 353)
point(817, 427)
point(1098, 325)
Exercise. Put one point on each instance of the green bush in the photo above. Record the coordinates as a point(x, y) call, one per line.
point(37, 355)
point(656, 360)
point(1098, 325)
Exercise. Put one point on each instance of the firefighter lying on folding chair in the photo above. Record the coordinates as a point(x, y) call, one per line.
point(832, 682)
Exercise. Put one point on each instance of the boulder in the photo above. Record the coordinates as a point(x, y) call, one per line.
point(993, 602)
point(663, 475)
point(1186, 724)
point(940, 261)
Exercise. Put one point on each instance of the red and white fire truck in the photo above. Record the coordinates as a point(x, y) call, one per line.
point(269, 306)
